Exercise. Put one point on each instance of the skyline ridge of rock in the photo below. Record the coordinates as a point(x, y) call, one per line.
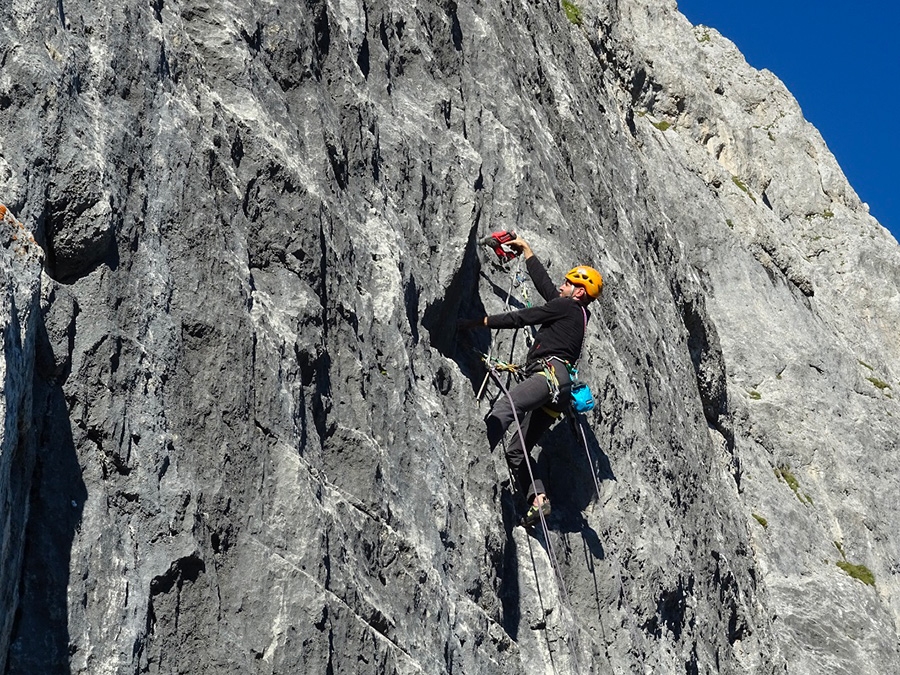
point(240, 431)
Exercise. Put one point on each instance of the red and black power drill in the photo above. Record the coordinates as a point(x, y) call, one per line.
point(498, 241)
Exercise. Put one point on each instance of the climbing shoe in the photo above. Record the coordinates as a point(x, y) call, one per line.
point(533, 514)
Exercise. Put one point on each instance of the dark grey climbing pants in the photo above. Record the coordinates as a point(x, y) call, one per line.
point(530, 397)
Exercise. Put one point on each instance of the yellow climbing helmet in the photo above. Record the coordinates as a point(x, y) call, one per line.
point(588, 278)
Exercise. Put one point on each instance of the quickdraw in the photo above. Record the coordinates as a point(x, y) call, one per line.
point(496, 364)
point(552, 381)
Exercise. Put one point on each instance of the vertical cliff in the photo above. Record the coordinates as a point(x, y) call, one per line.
point(251, 443)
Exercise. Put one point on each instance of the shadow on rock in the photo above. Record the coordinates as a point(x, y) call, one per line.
point(40, 640)
point(460, 301)
point(509, 581)
point(568, 459)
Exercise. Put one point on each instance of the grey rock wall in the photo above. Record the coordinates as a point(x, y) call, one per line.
point(256, 443)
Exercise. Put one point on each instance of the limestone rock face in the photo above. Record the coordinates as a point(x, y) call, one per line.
point(241, 432)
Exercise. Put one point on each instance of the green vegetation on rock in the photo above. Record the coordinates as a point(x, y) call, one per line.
point(573, 12)
point(859, 572)
point(881, 384)
point(742, 186)
point(783, 472)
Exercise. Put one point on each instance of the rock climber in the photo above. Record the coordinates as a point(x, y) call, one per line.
point(544, 394)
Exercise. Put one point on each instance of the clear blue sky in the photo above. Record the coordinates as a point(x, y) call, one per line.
point(841, 61)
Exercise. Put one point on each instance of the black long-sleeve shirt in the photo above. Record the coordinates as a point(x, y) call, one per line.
point(561, 320)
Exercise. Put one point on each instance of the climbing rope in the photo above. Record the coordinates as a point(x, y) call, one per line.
point(546, 530)
point(578, 430)
point(551, 552)
point(495, 368)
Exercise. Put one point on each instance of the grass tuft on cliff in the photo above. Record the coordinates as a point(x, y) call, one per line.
point(573, 12)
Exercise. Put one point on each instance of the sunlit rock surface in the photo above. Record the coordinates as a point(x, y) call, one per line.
point(241, 427)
